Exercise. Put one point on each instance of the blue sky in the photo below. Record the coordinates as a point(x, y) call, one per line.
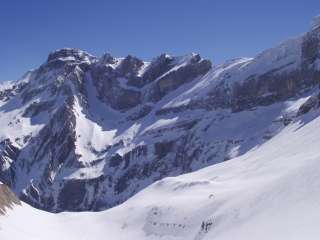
point(217, 29)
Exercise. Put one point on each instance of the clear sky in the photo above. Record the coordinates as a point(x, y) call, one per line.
point(217, 29)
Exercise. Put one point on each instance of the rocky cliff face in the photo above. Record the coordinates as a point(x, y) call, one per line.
point(86, 133)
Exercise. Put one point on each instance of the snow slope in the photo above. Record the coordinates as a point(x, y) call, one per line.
point(271, 192)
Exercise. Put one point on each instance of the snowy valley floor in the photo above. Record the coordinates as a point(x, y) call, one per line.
point(271, 192)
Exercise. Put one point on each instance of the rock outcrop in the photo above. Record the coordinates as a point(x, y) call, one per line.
point(7, 199)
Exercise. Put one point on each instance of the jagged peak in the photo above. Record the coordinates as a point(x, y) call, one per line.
point(315, 22)
point(107, 58)
point(176, 60)
point(69, 54)
point(162, 56)
point(130, 64)
point(133, 59)
point(187, 58)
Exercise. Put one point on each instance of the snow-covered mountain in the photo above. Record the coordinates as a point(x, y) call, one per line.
point(270, 192)
point(87, 133)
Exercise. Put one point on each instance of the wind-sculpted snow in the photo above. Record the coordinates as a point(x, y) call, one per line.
point(86, 133)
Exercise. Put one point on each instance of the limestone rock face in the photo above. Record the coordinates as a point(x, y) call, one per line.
point(128, 82)
point(174, 79)
point(159, 66)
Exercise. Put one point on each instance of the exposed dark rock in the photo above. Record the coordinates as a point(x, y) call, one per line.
point(142, 112)
point(8, 155)
point(312, 103)
point(115, 160)
point(76, 54)
point(130, 66)
point(107, 59)
point(107, 83)
point(72, 195)
point(157, 67)
point(176, 78)
point(163, 148)
point(108, 80)
point(37, 107)
point(311, 47)
point(11, 91)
